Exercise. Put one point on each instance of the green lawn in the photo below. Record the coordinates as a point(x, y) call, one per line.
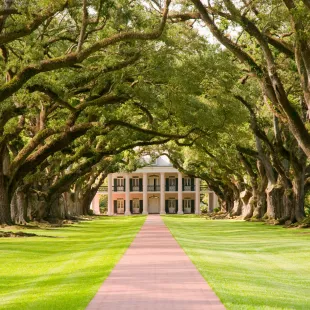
point(62, 273)
point(249, 265)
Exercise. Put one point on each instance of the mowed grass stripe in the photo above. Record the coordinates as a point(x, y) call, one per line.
point(249, 265)
point(64, 272)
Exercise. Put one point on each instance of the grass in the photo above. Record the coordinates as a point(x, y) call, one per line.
point(40, 273)
point(249, 265)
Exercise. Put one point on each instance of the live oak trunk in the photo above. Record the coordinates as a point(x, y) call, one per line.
point(275, 202)
point(248, 201)
point(56, 209)
point(5, 210)
point(237, 208)
point(19, 206)
point(237, 202)
point(261, 205)
point(299, 172)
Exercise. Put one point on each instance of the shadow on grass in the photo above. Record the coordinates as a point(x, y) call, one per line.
point(62, 273)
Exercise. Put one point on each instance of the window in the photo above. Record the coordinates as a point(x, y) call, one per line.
point(187, 181)
point(172, 184)
point(171, 203)
point(135, 184)
point(187, 203)
point(172, 181)
point(187, 184)
point(120, 203)
point(120, 182)
point(136, 203)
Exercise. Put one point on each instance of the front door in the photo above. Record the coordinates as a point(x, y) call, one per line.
point(153, 205)
point(120, 206)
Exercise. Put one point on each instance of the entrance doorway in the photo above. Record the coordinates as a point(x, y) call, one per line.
point(120, 206)
point(153, 205)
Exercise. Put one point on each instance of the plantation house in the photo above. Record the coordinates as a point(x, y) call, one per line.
point(158, 188)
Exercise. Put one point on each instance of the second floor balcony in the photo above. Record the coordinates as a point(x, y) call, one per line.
point(153, 188)
point(136, 185)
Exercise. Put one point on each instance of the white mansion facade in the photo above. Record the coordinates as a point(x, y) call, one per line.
point(155, 189)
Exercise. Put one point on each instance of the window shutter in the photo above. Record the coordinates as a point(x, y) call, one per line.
point(141, 206)
point(192, 184)
point(131, 207)
point(183, 202)
point(193, 206)
point(167, 184)
point(124, 184)
point(166, 206)
point(115, 185)
point(182, 184)
point(130, 185)
point(115, 206)
point(176, 183)
point(140, 185)
point(176, 206)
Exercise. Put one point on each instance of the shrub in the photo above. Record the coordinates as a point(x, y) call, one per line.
point(204, 209)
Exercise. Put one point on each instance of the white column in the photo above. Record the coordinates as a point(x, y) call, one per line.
point(197, 196)
point(110, 195)
point(180, 195)
point(144, 188)
point(95, 204)
point(162, 193)
point(127, 195)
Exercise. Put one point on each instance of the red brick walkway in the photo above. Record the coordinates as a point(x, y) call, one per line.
point(155, 274)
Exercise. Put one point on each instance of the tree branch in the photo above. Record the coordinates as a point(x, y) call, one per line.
point(68, 60)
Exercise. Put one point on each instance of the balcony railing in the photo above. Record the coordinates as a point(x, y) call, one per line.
point(118, 188)
point(153, 188)
point(189, 188)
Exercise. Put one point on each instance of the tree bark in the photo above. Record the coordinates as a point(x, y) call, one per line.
point(248, 201)
point(275, 193)
point(261, 206)
point(299, 173)
point(19, 206)
point(5, 210)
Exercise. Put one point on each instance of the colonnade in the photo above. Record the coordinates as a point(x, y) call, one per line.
point(145, 192)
